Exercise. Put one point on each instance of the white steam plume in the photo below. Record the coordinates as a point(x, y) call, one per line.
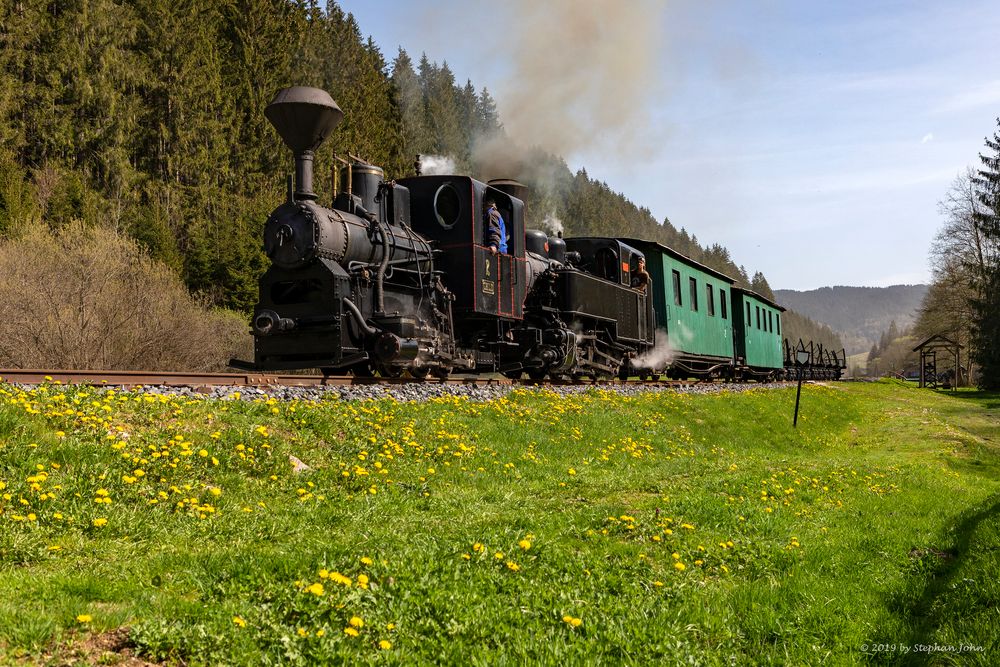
point(437, 165)
point(552, 225)
point(659, 357)
point(666, 348)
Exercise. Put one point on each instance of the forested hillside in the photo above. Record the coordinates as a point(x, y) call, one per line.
point(145, 116)
point(859, 314)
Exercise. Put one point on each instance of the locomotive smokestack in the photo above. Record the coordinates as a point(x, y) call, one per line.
point(304, 117)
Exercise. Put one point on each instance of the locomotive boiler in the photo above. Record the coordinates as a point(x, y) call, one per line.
point(350, 286)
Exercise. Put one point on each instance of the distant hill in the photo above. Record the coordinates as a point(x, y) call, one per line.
point(858, 314)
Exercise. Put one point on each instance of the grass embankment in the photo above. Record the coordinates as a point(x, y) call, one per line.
point(529, 529)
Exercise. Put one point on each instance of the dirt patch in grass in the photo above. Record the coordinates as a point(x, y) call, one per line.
point(105, 648)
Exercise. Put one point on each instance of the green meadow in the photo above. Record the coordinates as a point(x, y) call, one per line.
point(534, 529)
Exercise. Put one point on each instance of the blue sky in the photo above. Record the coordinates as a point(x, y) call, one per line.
point(812, 139)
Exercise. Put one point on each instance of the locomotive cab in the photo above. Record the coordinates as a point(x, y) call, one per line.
point(449, 210)
point(606, 258)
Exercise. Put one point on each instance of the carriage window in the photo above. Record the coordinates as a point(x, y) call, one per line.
point(722, 302)
point(677, 288)
point(749, 321)
point(709, 299)
point(694, 294)
point(446, 205)
point(770, 322)
point(757, 308)
point(777, 320)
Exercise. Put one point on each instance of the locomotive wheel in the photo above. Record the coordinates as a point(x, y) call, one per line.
point(536, 374)
point(389, 371)
point(419, 373)
point(513, 375)
point(643, 375)
point(441, 372)
point(362, 370)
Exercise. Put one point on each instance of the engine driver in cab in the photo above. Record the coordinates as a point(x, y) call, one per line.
point(496, 230)
point(640, 277)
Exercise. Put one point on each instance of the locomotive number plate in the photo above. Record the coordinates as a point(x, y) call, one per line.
point(489, 287)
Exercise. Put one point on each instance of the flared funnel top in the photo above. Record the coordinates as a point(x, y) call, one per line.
point(304, 117)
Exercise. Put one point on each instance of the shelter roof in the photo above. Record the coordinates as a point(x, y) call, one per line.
point(938, 341)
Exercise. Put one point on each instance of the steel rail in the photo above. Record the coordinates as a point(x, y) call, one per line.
point(133, 379)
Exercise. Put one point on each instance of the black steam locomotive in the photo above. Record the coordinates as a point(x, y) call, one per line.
point(396, 276)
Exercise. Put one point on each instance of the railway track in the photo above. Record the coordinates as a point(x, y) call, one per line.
point(132, 379)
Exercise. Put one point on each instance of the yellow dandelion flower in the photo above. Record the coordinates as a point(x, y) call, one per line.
point(303, 632)
point(315, 589)
point(512, 566)
point(239, 622)
point(478, 546)
point(356, 622)
point(365, 560)
point(351, 632)
point(100, 522)
point(84, 618)
point(385, 644)
point(524, 544)
point(680, 567)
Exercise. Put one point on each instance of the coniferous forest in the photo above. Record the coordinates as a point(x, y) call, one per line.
point(145, 117)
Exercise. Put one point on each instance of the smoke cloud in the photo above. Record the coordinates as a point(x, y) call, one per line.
point(584, 74)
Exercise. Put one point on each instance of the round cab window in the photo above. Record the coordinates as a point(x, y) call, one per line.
point(446, 205)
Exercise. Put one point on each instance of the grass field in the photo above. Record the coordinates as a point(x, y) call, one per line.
point(533, 529)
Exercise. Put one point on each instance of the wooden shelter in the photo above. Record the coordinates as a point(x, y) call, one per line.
point(928, 359)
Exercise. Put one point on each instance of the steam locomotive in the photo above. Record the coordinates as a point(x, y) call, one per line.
point(396, 277)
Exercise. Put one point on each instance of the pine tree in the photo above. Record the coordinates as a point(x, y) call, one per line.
point(410, 101)
point(986, 306)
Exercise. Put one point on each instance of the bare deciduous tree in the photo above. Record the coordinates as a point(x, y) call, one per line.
point(84, 297)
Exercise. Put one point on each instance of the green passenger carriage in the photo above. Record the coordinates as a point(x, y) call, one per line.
point(757, 327)
point(693, 313)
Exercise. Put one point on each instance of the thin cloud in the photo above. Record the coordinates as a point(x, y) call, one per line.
point(973, 97)
point(929, 137)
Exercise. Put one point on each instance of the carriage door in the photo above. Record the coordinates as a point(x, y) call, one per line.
point(505, 284)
